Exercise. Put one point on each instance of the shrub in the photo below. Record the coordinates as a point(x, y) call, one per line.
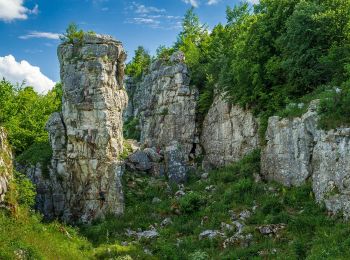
point(190, 202)
point(131, 129)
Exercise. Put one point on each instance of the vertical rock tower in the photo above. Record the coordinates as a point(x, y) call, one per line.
point(86, 137)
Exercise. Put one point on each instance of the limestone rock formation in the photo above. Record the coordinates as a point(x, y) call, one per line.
point(228, 134)
point(6, 167)
point(331, 170)
point(166, 107)
point(286, 157)
point(86, 137)
point(297, 150)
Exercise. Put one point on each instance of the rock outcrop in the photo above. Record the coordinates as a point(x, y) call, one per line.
point(6, 167)
point(297, 151)
point(166, 107)
point(228, 134)
point(86, 137)
point(288, 153)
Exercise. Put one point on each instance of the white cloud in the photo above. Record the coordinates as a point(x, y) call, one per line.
point(142, 9)
point(14, 9)
point(150, 16)
point(194, 3)
point(213, 2)
point(46, 35)
point(17, 72)
point(254, 2)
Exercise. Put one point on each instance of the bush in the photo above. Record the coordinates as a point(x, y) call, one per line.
point(190, 202)
point(131, 129)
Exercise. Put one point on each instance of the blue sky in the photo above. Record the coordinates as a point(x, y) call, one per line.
point(29, 29)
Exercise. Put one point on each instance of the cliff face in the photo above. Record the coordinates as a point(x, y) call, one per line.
point(166, 108)
point(6, 167)
point(287, 155)
point(86, 137)
point(228, 134)
point(297, 151)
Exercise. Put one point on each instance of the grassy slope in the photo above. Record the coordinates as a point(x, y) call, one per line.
point(25, 235)
point(309, 233)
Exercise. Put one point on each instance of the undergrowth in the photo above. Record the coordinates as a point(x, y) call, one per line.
point(309, 233)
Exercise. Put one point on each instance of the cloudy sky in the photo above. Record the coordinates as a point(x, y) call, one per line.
point(30, 29)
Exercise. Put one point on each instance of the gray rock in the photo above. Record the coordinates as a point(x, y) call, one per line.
point(139, 161)
point(238, 240)
point(166, 108)
point(239, 226)
point(158, 170)
point(331, 170)
point(286, 157)
point(166, 222)
point(229, 133)
point(179, 193)
point(156, 200)
point(226, 227)
point(245, 214)
point(152, 154)
point(177, 56)
point(210, 188)
point(211, 234)
point(86, 136)
point(148, 234)
point(205, 176)
point(6, 166)
point(175, 162)
point(297, 150)
point(272, 229)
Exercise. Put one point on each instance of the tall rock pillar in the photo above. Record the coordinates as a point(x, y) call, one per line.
point(86, 137)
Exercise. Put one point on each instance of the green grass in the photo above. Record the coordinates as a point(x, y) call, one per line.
point(131, 129)
point(308, 228)
point(25, 234)
point(334, 107)
point(309, 234)
point(39, 152)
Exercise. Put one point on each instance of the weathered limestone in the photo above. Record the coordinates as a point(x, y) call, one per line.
point(331, 170)
point(228, 134)
point(297, 150)
point(166, 108)
point(6, 167)
point(86, 137)
point(286, 157)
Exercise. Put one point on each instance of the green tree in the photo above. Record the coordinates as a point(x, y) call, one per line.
point(139, 63)
point(73, 34)
point(24, 113)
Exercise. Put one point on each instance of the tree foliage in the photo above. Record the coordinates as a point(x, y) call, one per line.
point(139, 63)
point(269, 54)
point(24, 113)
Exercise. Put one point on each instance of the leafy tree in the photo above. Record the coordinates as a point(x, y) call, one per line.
point(139, 63)
point(73, 34)
point(24, 113)
point(192, 29)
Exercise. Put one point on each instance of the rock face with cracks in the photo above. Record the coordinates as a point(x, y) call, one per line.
point(86, 136)
point(297, 150)
point(166, 107)
point(228, 134)
point(6, 172)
